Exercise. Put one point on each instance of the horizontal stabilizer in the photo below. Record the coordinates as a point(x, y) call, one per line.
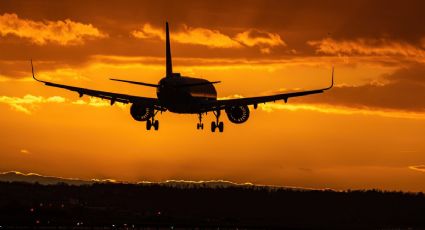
point(135, 82)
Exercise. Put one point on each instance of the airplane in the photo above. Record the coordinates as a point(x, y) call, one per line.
point(184, 95)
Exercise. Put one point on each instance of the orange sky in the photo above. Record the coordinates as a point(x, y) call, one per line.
point(367, 132)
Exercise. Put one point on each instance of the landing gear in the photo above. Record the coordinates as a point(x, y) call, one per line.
point(152, 122)
point(220, 126)
point(200, 125)
point(156, 124)
point(217, 124)
point(148, 125)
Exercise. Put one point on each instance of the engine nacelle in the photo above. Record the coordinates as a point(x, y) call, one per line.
point(140, 112)
point(237, 114)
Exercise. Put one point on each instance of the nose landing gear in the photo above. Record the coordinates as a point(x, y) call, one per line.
point(152, 122)
point(200, 125)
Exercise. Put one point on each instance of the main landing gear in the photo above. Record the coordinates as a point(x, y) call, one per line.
point(214, 125)
point(152, 122)
point(200, 125)
point(217, 124)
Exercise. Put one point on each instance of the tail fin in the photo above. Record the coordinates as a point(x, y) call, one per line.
point(169, 64)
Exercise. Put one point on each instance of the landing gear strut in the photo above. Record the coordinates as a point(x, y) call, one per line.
point(152, 122)
point(200, 125)
point(217, 123)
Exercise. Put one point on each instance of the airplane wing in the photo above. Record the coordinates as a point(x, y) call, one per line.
point(113, 97)
point(221, 104)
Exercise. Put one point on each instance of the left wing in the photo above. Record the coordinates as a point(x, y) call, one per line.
point(113, 97)
point(221, 104)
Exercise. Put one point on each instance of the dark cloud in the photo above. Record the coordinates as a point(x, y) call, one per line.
point(295, 21)
point(14, 69)
point(402, 90)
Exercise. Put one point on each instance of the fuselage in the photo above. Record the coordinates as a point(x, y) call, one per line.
point(181, 94)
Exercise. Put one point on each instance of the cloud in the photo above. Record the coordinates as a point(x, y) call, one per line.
point(332, 109)
point(341, 110)
point(368, 47)
point(24, 151)
point(234, 96)
point(97, 102)
point(66, 32)
point(206, 37)
point(189, 35)
point(420, 168)
point(148, 31)
point(262, 39)
point(8, 78)
point(28, 102)
point(214, 38)
point(402, 90)
point(201, 62)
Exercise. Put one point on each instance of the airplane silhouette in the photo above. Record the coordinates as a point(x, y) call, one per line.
point(181, 94)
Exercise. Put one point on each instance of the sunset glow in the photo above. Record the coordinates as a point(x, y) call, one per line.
point(367, 132)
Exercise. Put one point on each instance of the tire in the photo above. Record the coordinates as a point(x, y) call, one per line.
point(213, 126)
point(148, 125)
point(202, 126)
point(221, 127)
point(156, 124)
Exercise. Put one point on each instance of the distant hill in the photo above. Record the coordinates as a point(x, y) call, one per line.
point(15, 176)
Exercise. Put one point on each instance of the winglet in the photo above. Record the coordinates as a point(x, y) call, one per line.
point(32, 70)
point(332, 84)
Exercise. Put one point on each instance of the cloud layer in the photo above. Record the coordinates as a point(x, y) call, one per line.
point(213, 38)
point(420, 168)
point(368, 47)
point(189, 35)
point(263, 39)
point(28, 103)
point(66, 32)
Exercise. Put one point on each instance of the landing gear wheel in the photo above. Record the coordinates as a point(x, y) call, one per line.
point(152, 122)
point(217, 124)
point(221, 127)
point(148, 125)
point(200, 125)
point(156, 124)
point(213, 126)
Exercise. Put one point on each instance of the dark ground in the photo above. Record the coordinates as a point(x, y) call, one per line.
point(198, 207)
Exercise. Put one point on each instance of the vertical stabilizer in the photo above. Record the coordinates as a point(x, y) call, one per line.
point(169, 64)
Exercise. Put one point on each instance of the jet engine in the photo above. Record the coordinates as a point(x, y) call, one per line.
point(140, 112)
point(237, 114)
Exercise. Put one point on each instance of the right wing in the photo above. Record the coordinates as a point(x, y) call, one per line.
point(113, 97)
point(222, 104)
